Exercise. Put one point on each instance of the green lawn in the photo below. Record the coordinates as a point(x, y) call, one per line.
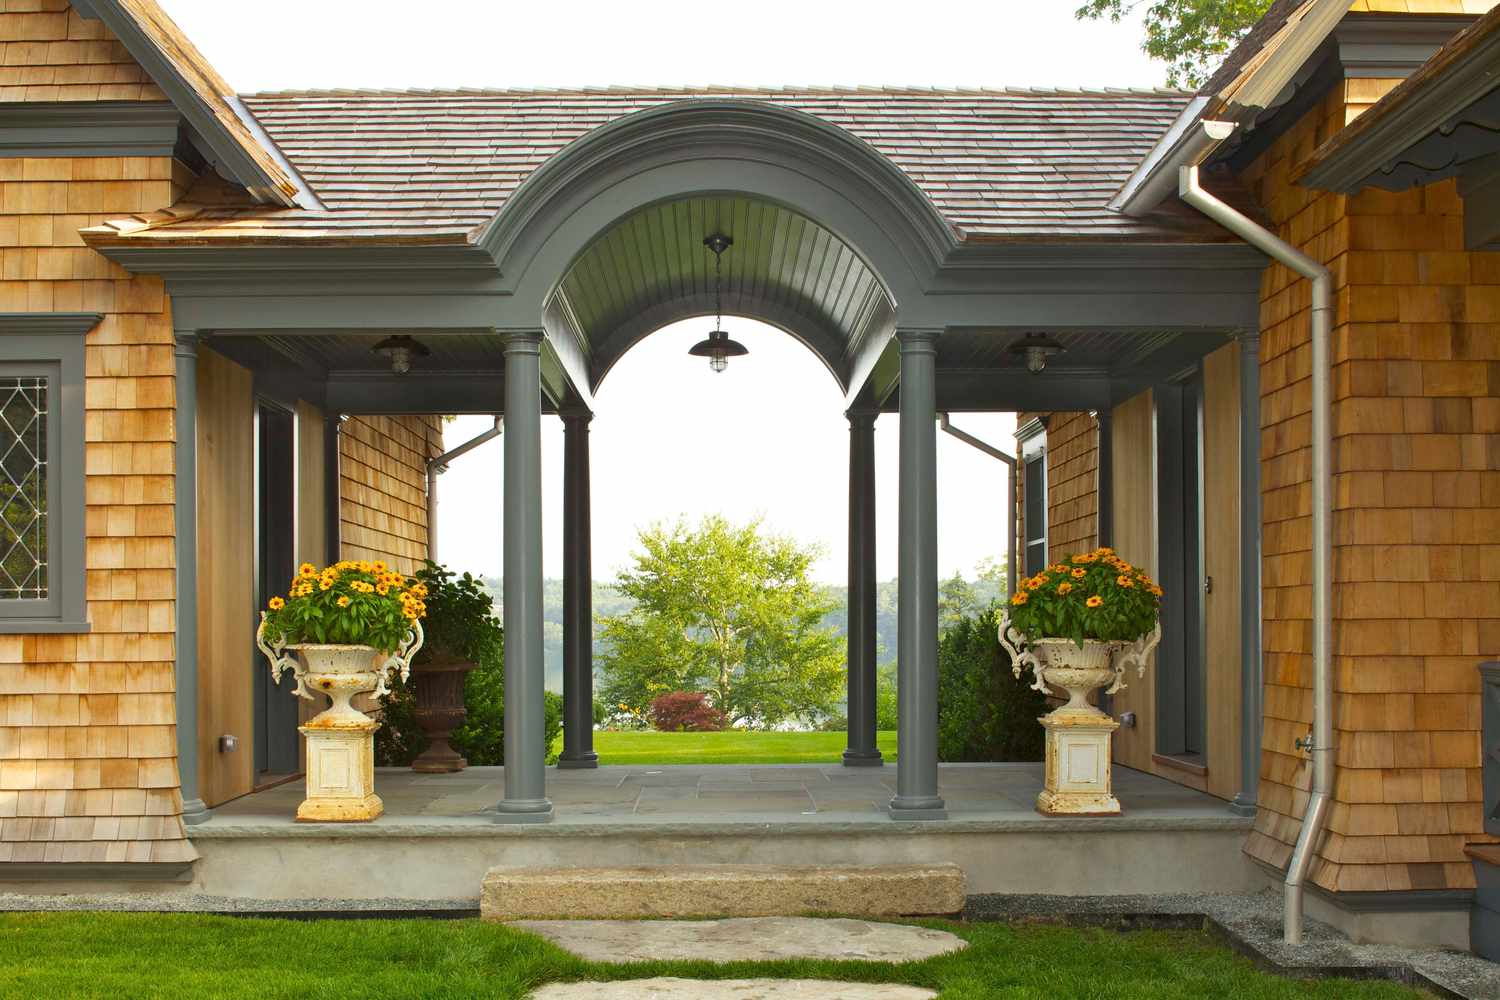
point(121, 956)
point(731, 747)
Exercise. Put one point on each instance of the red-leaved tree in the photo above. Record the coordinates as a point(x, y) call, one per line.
point(685, 712)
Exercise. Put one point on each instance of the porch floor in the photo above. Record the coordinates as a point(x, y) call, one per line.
point(727, 793)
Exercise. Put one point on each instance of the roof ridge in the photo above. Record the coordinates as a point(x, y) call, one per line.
point(709, 89)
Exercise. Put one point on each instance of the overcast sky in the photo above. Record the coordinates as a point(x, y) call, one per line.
point(670, 438)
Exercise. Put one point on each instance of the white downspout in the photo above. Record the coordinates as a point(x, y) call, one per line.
point(436, 467)
point(1320, 743)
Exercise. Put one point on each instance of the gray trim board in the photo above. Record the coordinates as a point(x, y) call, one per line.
point(55, 342)
point(77, 128)
point(100, 871)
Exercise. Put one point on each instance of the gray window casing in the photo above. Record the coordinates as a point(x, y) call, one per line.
point(1031, 447)
point(52, 344)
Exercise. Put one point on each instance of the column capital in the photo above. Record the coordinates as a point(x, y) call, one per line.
point(521, 341)
point(861, 416)
point(1249, 339)
point(917, 339)
point(186, 343)
point(576, 419)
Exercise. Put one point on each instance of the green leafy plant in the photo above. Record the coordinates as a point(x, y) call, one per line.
point(460, 619)
point(984, 712)
point(1093, 595)
point(355, 603)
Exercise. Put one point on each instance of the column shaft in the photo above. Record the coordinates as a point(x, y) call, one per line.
point(862, 750)
point(578, 599)
point(917, 584)
point(194, 810)
point(525, 750)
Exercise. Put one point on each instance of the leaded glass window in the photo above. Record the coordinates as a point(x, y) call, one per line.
point(23, 487)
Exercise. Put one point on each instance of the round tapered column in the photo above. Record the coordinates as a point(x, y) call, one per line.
point(578, 602)
point(917, 584)
point(862, 751)
point(194, 810)
point(525, 740)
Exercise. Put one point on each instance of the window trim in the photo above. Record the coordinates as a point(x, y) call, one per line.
point(1031, 447)
point(53, 343)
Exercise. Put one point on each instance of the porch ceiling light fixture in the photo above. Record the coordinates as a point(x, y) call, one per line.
point(1036, 348)
point(718, 348)
point(399, 350)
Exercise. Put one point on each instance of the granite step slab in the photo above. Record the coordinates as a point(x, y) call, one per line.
point(667, 988)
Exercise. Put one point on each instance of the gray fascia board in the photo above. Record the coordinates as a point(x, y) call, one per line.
point(283, 262)
point(166, 76)
point(1387, 46)
point(1440, 103)
point(33, 324)
point(439, 393)
point(104, 128)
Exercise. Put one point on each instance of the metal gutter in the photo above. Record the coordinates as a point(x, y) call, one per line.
point(439, 465)
point(1320, 743)
point(1010, 507)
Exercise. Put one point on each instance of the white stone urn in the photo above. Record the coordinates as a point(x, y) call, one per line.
point(341, 738)
point(1078, 779)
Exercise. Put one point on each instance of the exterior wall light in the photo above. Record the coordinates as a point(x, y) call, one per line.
point(399, 350)
point(1036, 348)
point(718, 348)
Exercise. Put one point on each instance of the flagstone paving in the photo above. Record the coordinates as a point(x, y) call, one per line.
point(730, 989)
point(744, 939)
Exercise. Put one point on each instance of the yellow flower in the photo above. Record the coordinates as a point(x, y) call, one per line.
point(1021, 597)
point(1104, 550)
point(420, 590)
point(1064, 588)
point(1124, 581)
point(382, 589)
point(276, 604)
point(364, 566)
point(1094, 601)
point(1079, 573)
point(1080, 558)
point(1154, 590)
point(342, 602)
point(1058, 568)
point(324, 584)
point(379, 565)
point(307, 569)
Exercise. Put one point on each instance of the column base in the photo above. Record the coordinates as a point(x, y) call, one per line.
point(1242, 805)
point(925, 807)
point(195, 811)
point(524, 811)
point(578, 762)
point(863, 758)
point(1078, 778)
point(340, 773)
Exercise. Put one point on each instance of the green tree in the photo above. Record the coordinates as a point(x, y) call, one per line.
point(955, 600)
point(726, 609)
point(1190, 36)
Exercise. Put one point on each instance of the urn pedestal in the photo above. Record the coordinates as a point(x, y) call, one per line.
point(340, 773)
point(1079, 749)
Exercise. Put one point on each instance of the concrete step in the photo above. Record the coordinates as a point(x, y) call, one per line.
point(721, 891)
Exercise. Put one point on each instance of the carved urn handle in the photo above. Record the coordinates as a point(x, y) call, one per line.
point(1137, 653)
point(274, 651)
point(1021, 653)
point(400, 660)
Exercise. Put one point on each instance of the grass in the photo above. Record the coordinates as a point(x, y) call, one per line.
point(732, 747)
point(120, 956)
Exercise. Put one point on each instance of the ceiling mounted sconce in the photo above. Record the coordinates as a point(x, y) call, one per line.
point(399, 350)
point(1036, 348)
point(718, 348)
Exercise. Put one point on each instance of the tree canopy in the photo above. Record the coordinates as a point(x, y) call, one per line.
point(1190, 36)
point(729, 610)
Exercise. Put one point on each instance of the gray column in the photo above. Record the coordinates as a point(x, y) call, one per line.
point(917, 584)
point(525, 750)
point(578, 598)
point(862, 751)
point(194, 810)
point(1250, 555)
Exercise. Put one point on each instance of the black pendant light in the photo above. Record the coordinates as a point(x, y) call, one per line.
point(399, 351)
point(718, 348)
point(1036, 348)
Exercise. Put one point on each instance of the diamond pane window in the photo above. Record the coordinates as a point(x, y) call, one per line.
point(23, 488)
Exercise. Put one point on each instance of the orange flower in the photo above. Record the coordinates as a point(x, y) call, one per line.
point(1081, 558)
point(342, 602)
point(1154, 590)
point(276, 604)
point(1064, 588)
point(1079, 573)
point(1124, 581)
point(1094, 601)
point(1020, 598)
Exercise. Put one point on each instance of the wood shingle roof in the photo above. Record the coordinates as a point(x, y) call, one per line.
point(436, 166)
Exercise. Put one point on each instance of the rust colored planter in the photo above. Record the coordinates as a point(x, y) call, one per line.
point(440, 710)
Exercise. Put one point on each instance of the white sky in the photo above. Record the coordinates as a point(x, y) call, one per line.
point(671, 438)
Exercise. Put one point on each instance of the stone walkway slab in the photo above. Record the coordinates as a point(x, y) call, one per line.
point(744, 939)
point(730, 989)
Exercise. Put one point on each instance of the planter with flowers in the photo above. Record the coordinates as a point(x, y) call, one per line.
point(1080, 625)
point(342, 631)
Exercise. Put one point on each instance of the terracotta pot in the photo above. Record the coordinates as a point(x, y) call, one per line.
point(440, 710)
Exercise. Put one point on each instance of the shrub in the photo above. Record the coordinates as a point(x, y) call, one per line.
point(685, 712)
point(984, 713)
point(886, 718)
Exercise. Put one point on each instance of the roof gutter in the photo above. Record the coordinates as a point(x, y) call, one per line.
point(1154, 180)
point(1320, 743)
